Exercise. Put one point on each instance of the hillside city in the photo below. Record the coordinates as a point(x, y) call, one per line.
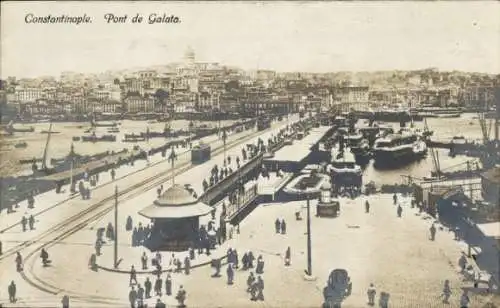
point(192, 86)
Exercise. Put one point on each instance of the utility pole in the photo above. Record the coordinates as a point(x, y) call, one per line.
point(116, 229)
point(172, 158)
point(224, 138)
point(309, 257)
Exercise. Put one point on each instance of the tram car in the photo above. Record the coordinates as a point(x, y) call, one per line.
point(263, 123)
point(200, 153)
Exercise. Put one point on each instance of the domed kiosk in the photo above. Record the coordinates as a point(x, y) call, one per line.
point(175, 215)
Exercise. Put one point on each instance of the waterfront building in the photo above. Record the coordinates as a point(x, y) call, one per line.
point(137, 103)
point(175, 215)
point(26, 95)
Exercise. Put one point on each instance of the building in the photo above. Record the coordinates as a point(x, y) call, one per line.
point(137, 103)
point(175, 215)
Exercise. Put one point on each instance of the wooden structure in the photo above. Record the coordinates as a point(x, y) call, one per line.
point(175, 215)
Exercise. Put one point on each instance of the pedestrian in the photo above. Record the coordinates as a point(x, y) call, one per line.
point(235, 258)
point(400, 210)
point(98, 246)
point(140, 296)
point(187, 265)
point(230, 274)
point(288, 256)
point(181, 296)
point(168, 285)
point(277, 225)
point(12, 292)
point(128, 224)
point(253, 291)
point(250, 281)
point(260, 265)
point(464, 300)
point(178, 265)
point(31, 201)
point(144, 261)
point(24, 221)
point(160, 304)
point(113, 174)
point(132, 297)
point(65, 301)
point(147, 287)
point(133, 275)
point(433, 232)
point(217, 264)
point(372, 292)
point(251, 258)
point(93, 262)
point(446, 291)
point(462, 262)
point(158, 285)
point(260, 288)
point(367, 207)
point(191, 253)
point(31, 222)
point(1, 252)
point(395, 199)
point(283, 226)
point(19, 262)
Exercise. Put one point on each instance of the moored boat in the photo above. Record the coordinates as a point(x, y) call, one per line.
point(398, 149)
point(343, 169)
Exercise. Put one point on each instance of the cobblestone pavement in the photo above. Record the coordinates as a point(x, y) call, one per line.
point(393, 253)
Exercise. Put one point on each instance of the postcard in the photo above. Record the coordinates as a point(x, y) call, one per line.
point(250, 154)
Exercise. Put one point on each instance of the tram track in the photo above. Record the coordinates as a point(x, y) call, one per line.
point(156, 180)
point(80, 220)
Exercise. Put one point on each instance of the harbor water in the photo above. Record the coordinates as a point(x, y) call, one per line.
point(444, 128)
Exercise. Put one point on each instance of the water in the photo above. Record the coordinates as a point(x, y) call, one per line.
point(467, 126)
point(60, 143)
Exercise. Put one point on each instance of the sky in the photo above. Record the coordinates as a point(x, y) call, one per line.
point(284, 36)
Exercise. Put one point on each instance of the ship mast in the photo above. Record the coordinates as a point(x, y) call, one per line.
point(46, 149)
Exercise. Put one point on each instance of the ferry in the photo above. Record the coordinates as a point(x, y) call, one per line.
point(396, 149)
point(359, 146)
point(344, 170)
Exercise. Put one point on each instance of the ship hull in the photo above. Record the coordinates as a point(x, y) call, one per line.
point(396, 158)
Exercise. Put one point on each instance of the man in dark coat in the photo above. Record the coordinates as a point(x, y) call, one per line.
point(12, 292)
point(367, 207)
point(140, 296)
point(160, 304)
point(19, 262)
point(128, 224)
point(187, 265)
point(133, 275)
point(144, 261)
point(24, 221)
point(191, 253)
point(260, 265)
point(98, 246)
point(283, 226)
point(277, 225)
point(400, 210)
point(181, 296)
point(168, 285)
point(158, 285)
point(230, 274)
point(65, 301)
point(260, 288)
point(250, 281)
point(1, 252)
point(251, 258)
point(433, 232)
point(132, 297)
point(31, 221)
point(147, 286)
point(288, 255)
point(244, 260)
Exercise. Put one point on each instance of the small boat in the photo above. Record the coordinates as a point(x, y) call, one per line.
point(21, 145)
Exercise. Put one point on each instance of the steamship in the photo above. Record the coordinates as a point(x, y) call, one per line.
point(399, 149)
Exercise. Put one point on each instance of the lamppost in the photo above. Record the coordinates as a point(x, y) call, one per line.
point(115, 255)
point(172, 158)
point(224, 138)
point(309, 275)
